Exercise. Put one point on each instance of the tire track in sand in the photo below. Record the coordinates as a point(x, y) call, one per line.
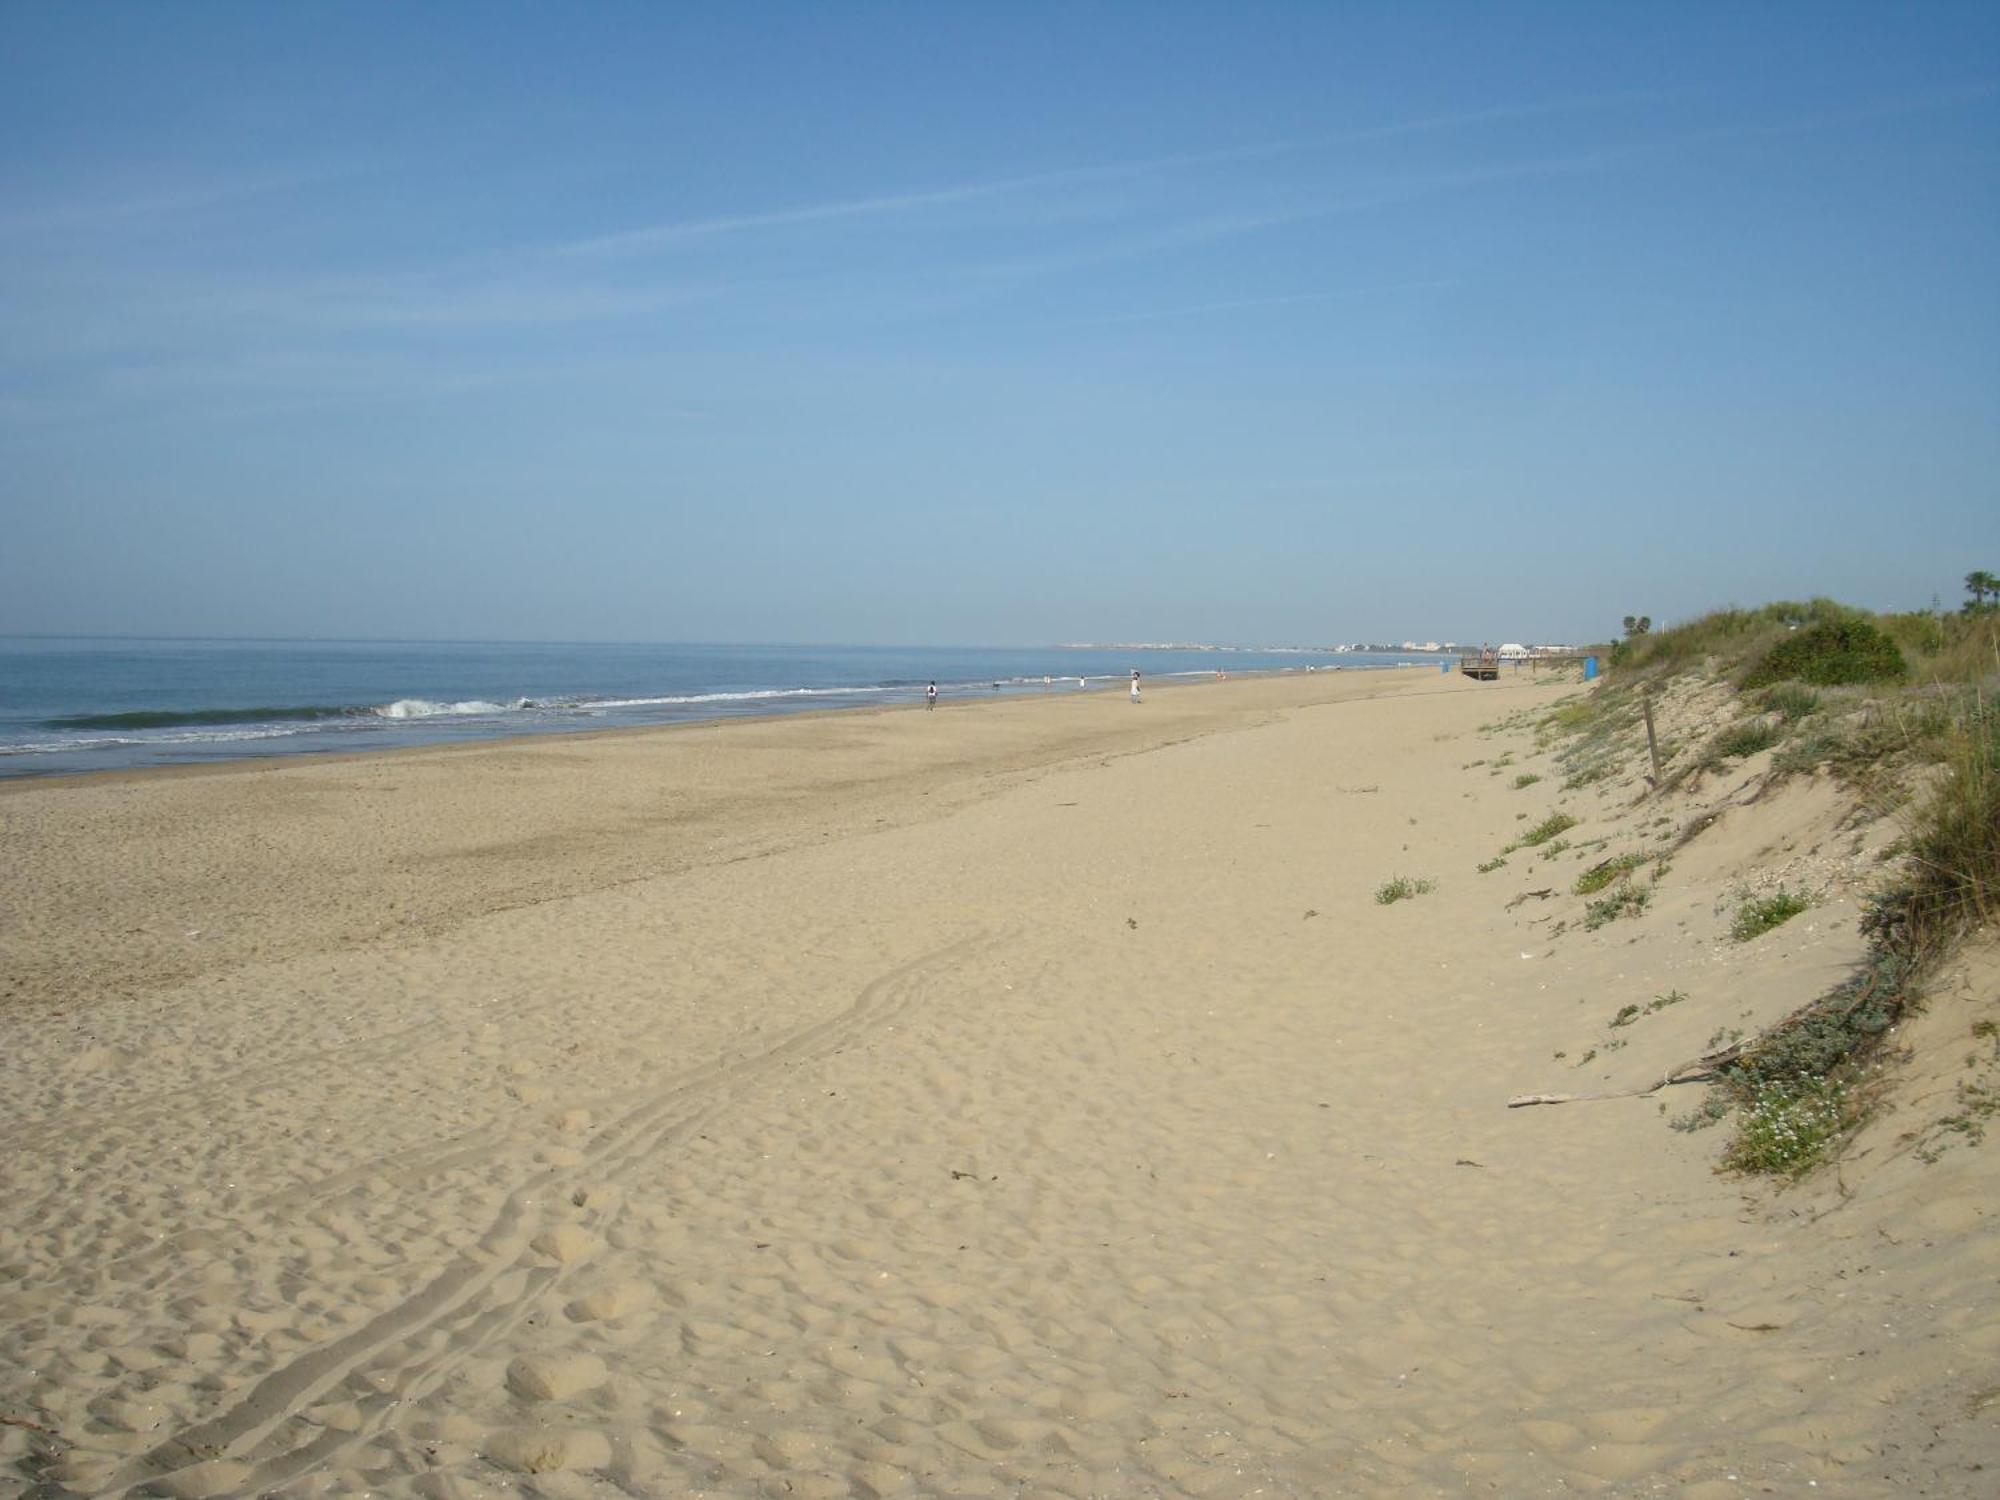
point(518, 1264)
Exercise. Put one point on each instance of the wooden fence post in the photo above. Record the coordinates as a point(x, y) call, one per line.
point(1652, 740)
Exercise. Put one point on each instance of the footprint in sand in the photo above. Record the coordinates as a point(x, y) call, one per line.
point(541, 1450)
point(555, 1377)
point(613, 1301)
point(567, 1243)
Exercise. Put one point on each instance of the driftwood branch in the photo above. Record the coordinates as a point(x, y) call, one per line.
point(1702, 1070)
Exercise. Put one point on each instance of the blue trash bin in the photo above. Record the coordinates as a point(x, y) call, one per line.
point(1589, 668)
point(1444, 666)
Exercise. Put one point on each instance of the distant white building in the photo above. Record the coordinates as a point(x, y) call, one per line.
point(1513, 652)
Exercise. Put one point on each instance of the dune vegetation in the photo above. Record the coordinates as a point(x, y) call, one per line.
point(1901, 710)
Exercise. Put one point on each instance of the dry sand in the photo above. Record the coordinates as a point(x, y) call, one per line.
point(1028, 1098)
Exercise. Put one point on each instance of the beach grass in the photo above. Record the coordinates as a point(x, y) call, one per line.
point(1602, 874)
point(1742, 740)
point(1627, 899)
point(1760, 914)
point(1403, 888)
point(1548, 828)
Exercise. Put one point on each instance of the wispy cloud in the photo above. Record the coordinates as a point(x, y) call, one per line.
point(159, 196)
point(442, 301)
point(662, 236)
point(581, 280)
point(1180, 236)
point(649, 239)
point(1396, 191)
point(90, 309)
point(1242, 304)
point(254, 385)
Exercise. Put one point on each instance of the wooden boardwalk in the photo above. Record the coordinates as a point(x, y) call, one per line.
point(1487, 668)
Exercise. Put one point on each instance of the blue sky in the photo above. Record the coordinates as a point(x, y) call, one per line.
point(991, 324)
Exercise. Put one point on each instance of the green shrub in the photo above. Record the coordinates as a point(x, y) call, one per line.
point(1919, 632)
point(1403, 888)
point(1790, 701)
point(1626, 900)
point(1739, 740)
point(1599, 875)
point(1787, 1129)
point(1713, 1109)
point(1830, 653)
point(1760, 914)
point(1732, 636)
point(1527, 778)
point(1661, 1002)
point(1602, 730)
point(1572, 715)
point(1955, 840)
point(1493, 864)
point(1548, 828)
point(1811, 750)
point(1837, 1029)
point(1970, 652)
point(1860, 746)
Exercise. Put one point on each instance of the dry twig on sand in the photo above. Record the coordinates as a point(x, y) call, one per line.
point(1703, 1069)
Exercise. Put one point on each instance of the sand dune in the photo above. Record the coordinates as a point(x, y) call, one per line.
point(1028, 1098)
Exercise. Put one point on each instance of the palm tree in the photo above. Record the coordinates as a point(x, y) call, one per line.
point(1979, 584)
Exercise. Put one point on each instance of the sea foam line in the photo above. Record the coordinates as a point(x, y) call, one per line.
point(112, 741)
point(424, 708)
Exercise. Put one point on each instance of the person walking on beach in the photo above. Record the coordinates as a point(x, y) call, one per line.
point(930, 696)
point(1135, 684)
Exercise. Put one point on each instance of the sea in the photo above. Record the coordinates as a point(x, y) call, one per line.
point(71, 704)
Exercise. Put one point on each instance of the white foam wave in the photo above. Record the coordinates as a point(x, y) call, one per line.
point(424, 708)
point(753, 696)
point(112, 741)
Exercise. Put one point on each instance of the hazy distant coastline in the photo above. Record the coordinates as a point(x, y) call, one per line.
point(1346, 648)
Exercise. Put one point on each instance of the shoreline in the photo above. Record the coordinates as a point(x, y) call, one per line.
point(273, 760)
point(120, 712)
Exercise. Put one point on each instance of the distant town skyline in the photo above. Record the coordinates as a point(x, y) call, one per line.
point(984, 325)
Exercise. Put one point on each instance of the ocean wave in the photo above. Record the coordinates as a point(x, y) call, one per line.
point(753, 695)
point(114, 741)
point(304, 713)
point(175, 718)
point(424, 708)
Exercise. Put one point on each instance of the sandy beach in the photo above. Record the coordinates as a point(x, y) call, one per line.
point(1028, 1098)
